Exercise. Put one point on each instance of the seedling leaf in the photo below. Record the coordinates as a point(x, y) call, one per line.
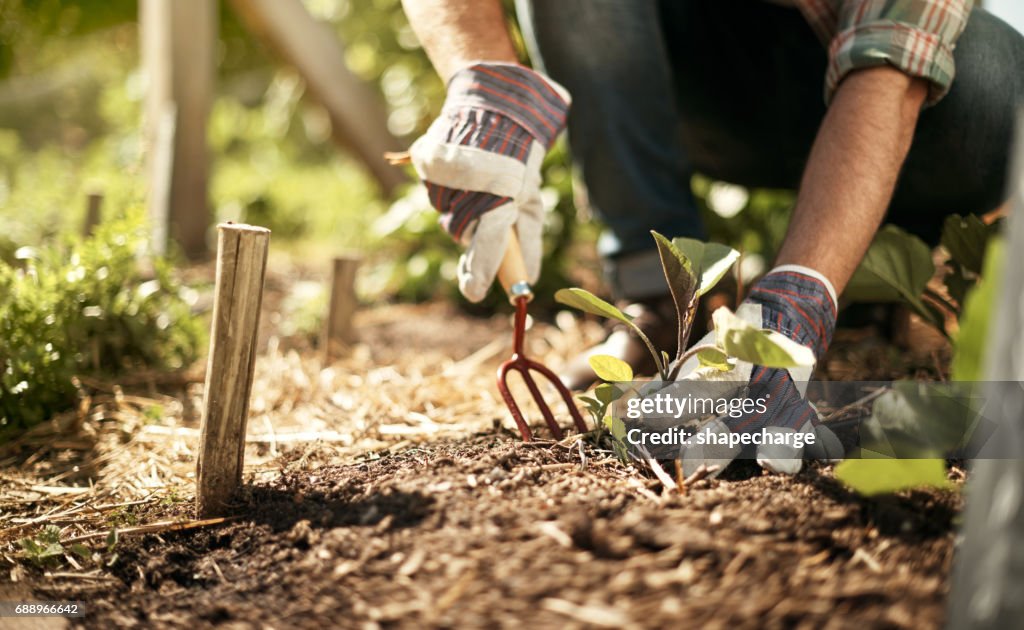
point(682, 283)
point(593, 405)
point(81, 551)
point(617, 429)
point(710, 261)
point(761, 347)
point(714, 358)
point(883, 476)
point(589, 303)
point(611, 369)
point(607, 393)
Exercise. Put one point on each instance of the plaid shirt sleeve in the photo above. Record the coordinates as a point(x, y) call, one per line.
point(915, 36)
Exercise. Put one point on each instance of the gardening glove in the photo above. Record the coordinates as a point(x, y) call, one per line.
point(481, 159)
point(799, 303)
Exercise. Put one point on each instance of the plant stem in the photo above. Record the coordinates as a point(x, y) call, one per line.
point(662, 368)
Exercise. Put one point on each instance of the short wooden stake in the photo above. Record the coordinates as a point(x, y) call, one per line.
point(241, 265)
point(338, 330)
point(93, 213)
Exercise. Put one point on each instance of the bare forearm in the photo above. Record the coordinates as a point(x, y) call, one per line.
point(852, 172)
point(457, 32)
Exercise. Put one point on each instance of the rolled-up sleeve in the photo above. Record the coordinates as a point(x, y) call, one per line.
point(914, 36)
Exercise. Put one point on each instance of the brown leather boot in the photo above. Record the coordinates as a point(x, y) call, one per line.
point(656, 317)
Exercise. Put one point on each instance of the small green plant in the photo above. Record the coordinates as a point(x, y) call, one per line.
point(899, 265)
point(100, 305)
point(44, 548)
point(692, 268)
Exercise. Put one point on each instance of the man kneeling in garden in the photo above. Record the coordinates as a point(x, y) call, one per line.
point(872, 109)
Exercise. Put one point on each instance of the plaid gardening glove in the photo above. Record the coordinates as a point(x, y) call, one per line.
point(480, 161)
point(799, 303)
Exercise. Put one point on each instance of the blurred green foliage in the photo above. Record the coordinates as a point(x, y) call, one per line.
point(101, 305)
point(70, 112)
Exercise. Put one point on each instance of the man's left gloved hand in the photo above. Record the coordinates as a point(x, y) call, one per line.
point(799, 303)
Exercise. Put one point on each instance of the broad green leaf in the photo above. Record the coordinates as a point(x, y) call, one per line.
point(965, 238)
point(710, 261)
point(589, 303)
point(897, 267)
point(682, 283)
point(883, 476)
point(593, 405)
point(611, 369)
point(714, 358)
point(607, 393)
point(743, 341)
point(922, 420)
point(972, 339)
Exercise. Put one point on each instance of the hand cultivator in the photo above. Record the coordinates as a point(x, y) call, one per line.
point(512, 275)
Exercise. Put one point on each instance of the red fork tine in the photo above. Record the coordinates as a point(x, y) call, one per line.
point(520, 363)
point(513, 277)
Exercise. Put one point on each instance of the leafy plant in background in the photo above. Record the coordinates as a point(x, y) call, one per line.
point(99, 306)
point(933, 422)
point(898, 267)
point(692, 268)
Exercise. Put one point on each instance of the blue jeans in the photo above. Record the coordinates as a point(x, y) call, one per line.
point(733, 89)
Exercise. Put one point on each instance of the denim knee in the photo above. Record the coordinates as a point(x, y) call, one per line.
point(959, 158)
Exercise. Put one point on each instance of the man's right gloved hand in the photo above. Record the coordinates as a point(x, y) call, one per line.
point(481, 159)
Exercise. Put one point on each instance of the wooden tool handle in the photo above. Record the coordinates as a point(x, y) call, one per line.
point(512, 272)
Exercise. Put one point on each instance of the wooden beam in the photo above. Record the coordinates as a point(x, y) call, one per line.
point(241, 266)
point(358, 115)
point(989, 569)
point(338, 331)
point(178, 41)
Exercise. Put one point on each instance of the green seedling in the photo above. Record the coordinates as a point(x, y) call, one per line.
point(692, 268)
point(44, 548)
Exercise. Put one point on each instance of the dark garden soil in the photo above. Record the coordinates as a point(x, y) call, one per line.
point(490, 532)
point(418, 509)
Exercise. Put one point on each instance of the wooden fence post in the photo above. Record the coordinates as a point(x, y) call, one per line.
point(241, 265)
point(338, 322)
point(988, 576)
point(178, 42)
point(93, 213)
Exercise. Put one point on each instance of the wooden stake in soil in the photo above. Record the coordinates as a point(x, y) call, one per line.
point(338, 323)
point(93, 213)
point(241, 265)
